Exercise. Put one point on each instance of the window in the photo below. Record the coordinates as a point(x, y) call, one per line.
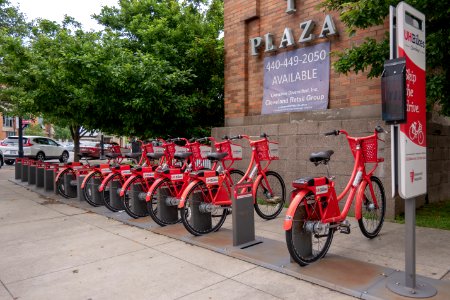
point(51, 142)
point(8, 121)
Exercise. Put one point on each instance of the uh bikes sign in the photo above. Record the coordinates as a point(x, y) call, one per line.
point(412, 136)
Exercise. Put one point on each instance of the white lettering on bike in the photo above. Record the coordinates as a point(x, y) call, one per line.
point(148, 175)
point(176, 177)
point(212, 180)
point(321, 189)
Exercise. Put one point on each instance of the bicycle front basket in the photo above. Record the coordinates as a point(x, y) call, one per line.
point(267, 150)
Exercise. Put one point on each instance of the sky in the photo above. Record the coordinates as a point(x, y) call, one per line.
point(55, 10)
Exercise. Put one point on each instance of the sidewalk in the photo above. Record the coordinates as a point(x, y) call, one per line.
point(55, 251)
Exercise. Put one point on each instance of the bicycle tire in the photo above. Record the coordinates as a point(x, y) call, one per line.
point(297, 238)
point(192, 203)
point(107, 192)
point(60, 182)
point(153, 204)
point(263, 206)
point(88, 188)
point(372, 218)
point(128, 205)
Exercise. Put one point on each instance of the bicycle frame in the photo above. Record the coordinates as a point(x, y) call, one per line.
point(104, 169)
point(124, 171)
point(323, 188)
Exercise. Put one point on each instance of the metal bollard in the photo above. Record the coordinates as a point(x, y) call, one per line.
point(138, 198)
point(114, 198)
point(70, 187)
point(18, 169)
point(24, 170)
point(80, 193)
point(243, 215)
point(32, 172)
point(49, 177)
point(40, 173)
point(166, 212)
point(201, 219)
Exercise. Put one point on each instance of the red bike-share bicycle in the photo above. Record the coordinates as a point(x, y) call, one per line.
point(314, 215)
point(206, 201)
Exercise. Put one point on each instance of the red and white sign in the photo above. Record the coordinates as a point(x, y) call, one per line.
point(413, 138)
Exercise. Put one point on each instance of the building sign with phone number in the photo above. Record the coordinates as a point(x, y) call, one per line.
point(297, 80)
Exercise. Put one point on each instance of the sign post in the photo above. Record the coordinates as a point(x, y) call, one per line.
point(409, 156)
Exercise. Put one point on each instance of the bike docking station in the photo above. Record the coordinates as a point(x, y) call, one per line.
point(404, 108)
point(18, 168)
point(40, 173)
point(114, 195)
point(24, 176)
point(166, 208)
point(243, 218)
point(32, 172)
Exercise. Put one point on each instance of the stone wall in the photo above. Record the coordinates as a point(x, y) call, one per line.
point(300, 134)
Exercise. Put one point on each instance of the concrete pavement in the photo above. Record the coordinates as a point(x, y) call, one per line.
point(52, 250)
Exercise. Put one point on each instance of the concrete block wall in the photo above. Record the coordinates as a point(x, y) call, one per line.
point(300, 134)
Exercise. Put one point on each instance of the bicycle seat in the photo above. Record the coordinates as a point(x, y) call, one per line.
point(132, 155)
point(324, 156)
point(182, 155)
point(216, 156)
point(155, 155)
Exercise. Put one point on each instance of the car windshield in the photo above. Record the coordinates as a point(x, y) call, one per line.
point(13, 141)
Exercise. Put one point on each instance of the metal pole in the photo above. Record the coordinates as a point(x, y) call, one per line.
point(102, 147)
point(410, 243)
point(20, 138)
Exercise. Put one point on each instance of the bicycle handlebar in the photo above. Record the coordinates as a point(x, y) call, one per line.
point(378, 129)
point(334, 132)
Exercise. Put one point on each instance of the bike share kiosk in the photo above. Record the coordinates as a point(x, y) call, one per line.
point(404, 107)
point(243, 216)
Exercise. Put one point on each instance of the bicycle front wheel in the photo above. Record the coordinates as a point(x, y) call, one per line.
point(134, 198)
point(307, 243)
point(60, 185)
point(372, 215)
point(161, 213)
point(90, 190)
point(113, 185)
point(270, 196)
point(199, 214)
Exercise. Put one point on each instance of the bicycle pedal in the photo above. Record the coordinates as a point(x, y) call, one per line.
point(274, 200)
point(345, 230)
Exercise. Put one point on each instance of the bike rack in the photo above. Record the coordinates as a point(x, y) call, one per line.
point(24, 170)
point(80, 193)
point(166, 212)
point(18, 169)
point(243, 217)
point(302, 239)
point(138, 198)
point(201, 220)
point(49, 177)
point(32, 171)
point(114, 195)
point(40, 173)
point(70, 186)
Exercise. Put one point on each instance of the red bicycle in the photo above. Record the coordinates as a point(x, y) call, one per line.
point(208, 196)
point(91, 182)
point(314, 214)
point(118, 176)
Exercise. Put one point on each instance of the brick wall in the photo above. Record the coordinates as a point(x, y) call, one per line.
point(245, 19)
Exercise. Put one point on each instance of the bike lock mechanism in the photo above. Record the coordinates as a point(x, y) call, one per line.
point(172, 201)
point(207, 208)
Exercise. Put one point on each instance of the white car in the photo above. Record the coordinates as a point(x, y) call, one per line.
point(36, 147)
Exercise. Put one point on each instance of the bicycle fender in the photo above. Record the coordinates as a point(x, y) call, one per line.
point(359, 198)
point(59, 174)
point(152, 188)
point(85, 179)
point(292, 207)
point(186, 192)
point(104, 181)
point(125, 185)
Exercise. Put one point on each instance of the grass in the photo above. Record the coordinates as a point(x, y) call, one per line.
point(433, 215)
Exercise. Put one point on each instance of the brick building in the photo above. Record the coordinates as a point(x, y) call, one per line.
point(259, 30)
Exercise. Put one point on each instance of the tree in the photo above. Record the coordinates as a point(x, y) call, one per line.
point(361, 14)
point(183, 36)
point(62, 133)
point(34, 129)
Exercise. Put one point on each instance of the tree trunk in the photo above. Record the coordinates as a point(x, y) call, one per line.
point(75, 132)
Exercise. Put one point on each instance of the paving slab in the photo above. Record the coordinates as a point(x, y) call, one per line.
point(145, 274)
point(23, 210)
point(43, 256)
point(4, 293)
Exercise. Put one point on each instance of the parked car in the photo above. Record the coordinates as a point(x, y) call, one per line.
point(2, 161)
point(92, 149)
point(37, 147)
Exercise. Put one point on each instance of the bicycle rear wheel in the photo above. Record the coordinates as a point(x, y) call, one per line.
point(163, 215)
point(199, 215)
point(60, 182)
point(113, 185)
point(372, 217)
point(90, 189)
point(270, 196)
point(304, 245)
point(136, 207)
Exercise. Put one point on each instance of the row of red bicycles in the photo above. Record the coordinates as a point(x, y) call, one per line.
point(182, 180)
point(185, 181)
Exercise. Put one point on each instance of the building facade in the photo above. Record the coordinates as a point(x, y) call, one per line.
point(275, 72)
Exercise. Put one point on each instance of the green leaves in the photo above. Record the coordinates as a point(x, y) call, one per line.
point(361, 14)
